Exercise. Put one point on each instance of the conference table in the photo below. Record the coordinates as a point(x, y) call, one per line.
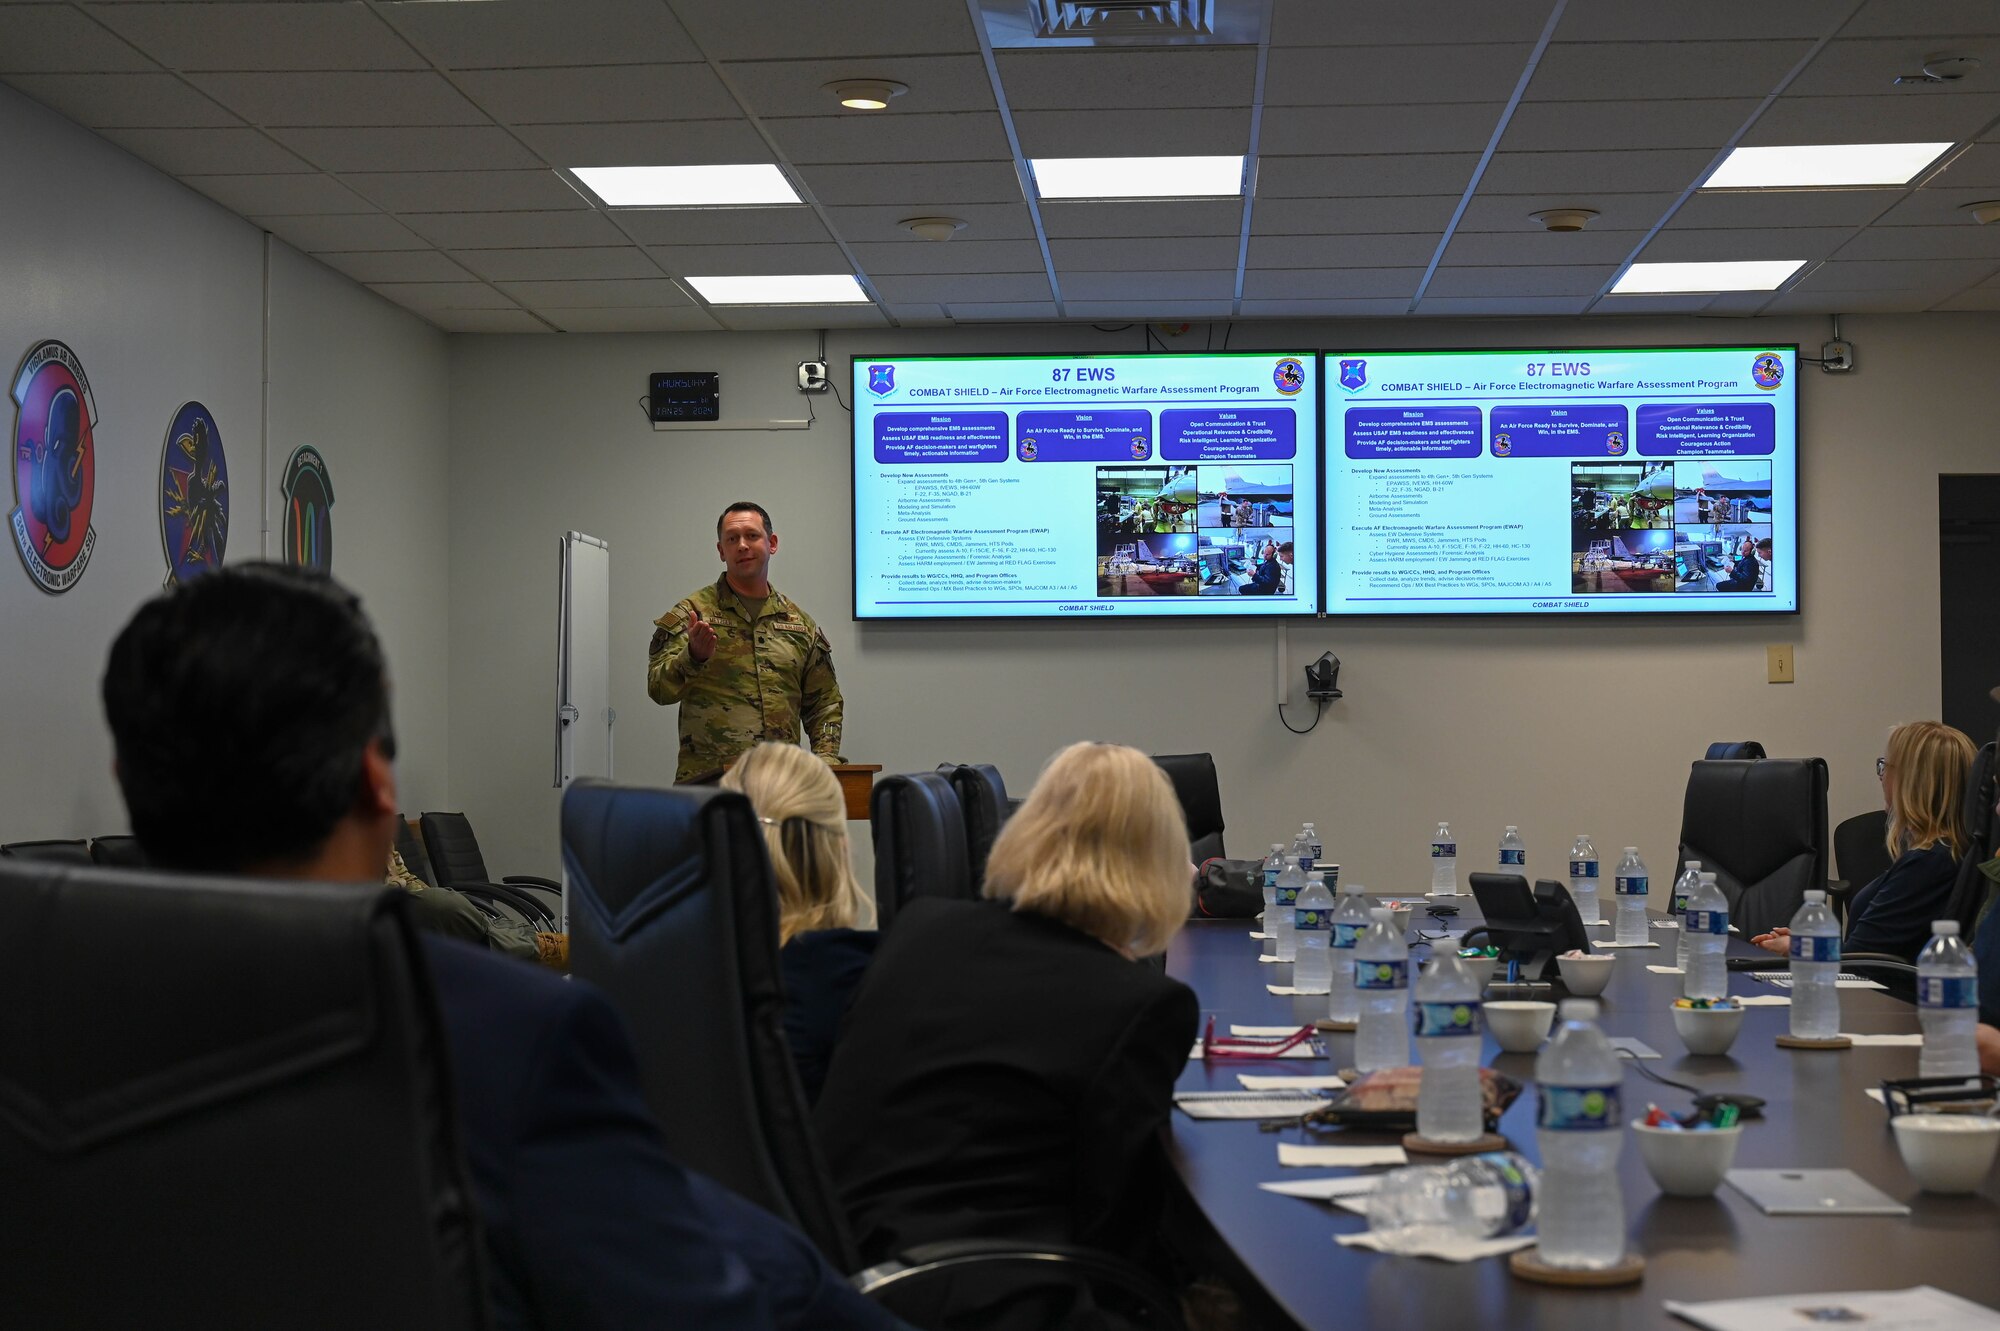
point(1816, 1116)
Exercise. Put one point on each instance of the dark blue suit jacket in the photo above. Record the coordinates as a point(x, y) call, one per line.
point(821, 971)
point(589, 1223)
point(1893, 914)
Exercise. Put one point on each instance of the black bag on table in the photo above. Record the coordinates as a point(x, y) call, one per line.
point(1228, 889)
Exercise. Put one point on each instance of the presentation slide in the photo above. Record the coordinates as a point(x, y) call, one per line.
point(1617, 481)
point(1078, 486)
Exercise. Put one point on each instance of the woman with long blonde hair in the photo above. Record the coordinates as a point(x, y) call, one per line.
point(1923, 771)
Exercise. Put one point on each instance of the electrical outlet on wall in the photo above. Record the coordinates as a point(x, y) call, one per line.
point(1778, 664)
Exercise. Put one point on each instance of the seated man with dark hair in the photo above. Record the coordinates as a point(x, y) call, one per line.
point(249, 711)
point(1269, 579)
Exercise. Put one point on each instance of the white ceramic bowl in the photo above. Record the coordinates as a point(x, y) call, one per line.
point(1687, 1163)
point(1520, 1025)
point(1586, 977)
point(1482, 969)
point(1947, 1152)
point(1708, 1030)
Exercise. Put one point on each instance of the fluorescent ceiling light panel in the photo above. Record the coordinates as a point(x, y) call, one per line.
point(688, 186)
point(1138, 177)
point(1734, 275)
point(813, 289)
point(1824, 165)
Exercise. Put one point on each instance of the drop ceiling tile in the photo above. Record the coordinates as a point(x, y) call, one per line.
point(1326, 309)
point(426, 148)
point(259, 36)
point(1867, 67)
point(1963, 241)
point(1900, 274)
point(1619, 126)
point(545, 32)
point(479, 231)
point(1934, 207)
point(1137, 254)
point(1331, 284)
point(1577, 280)
point(647, 143)
point(1349, 176)
point(1148, 309)
point(1540, 248)
point(967, 136)
point(954, 289)
point(751, 260)
point(1316, 23)
point(1002, 311)
point(1112, 79)
point(58, 39)
point(442, 295)
point(791, 225)
point(1936, 18)
point(1142, 217)
point(919, 313)
point(1179, 284)
point(656, 293)
point(1515, 212)
point(403, 97)
point(1306, 217)
point(1737, 304)
point(1404, 129)
point(679, 319)
point(937, 83)
point(97, 101)
point(1886, 119)
point(984, 221)
point(1651, 304)
point(280, 196)
point(551, 265)
point(584, 94)
point(1493, 306)
point(745, 318)
point(537, 190)
point(1626, 172)
point(1604, 71)
point(1978, 165)
point(1392, 75)
point(1976, 298)
point(864, 28)
point(953, 256)
point(1717, 20)
point(1815, 301)
point(394, 266)
point(1731, 209)
point(1720, 243)
point(184, 152)
point(487, 321)
point(926, 184)
point(1195, 133)
point(358, 231)
point(1387, 250)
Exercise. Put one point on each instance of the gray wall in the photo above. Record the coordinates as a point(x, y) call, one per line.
point(161, 295)
point(1560, 725)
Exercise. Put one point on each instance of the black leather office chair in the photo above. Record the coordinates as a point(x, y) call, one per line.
point(1968, 890)
point(47, 852)
point(982, 796)
point(1860, 855)
point(1741, 748)
point(920, 844)
point(1760, 826)
point(455, 858)
point(1200, 792)
point(118, 852)
point(224, 1103)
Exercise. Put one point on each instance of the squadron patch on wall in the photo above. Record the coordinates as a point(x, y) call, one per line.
point(194, 494)
point(308, 492)
point(55, 467)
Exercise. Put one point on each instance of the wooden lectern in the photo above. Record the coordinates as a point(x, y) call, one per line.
point(857, 781)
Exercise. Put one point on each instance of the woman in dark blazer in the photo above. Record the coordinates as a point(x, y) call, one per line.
point(1008, 1064)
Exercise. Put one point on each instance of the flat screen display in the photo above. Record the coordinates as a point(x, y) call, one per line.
point(1081, 487)
point(1606, 480)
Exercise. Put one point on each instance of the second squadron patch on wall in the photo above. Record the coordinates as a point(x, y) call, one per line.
point(194, 494)
point(55, 467)
point(308, 492)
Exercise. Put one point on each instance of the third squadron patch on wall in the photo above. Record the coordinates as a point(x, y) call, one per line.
point(194, 494)
point(55, 467)
point(308, 492)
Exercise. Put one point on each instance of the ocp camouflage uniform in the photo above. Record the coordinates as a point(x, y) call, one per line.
point(441, 910)
point(765, 677)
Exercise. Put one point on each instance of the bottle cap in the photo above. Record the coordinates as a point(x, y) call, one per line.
point(1944, 928)
point(1578, 1009)
point(1383, 915)
point(1815, 896)
point(1691, 864)
point(1512, 828)
point(1631, 850)
point(1707, 877)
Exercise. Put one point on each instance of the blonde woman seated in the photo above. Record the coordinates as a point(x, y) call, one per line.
point(1009, 1063)
point(1923, 773)
point(823, 955)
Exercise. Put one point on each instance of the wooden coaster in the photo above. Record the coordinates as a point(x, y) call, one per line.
point(1528, 1264)
point(1794, 1042)
point(1329, 1024)
point(1491, 1141)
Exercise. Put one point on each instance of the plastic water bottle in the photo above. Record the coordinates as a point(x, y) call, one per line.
point(1580, 1127)
point(1684, 887)
point(1476, 1197)
point(1514, 854)
point(1350, 921)
point(1630, 885)
point(1815, 968)
point(1274, 864)
point(1707, 928)
point(1316, 846)
point(1280, 926)
point(1302, 847)
point(1450, 1019)
point(1947, 1004)
point(1583, 879)
point(1444, 863)
point(1312, 924)
point(1382, 987)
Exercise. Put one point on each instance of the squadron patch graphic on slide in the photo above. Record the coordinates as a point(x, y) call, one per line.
point(194, 494)
point(881, 380)
point(1353, 374)
point(1767, 371)
point(308, 492)
point(1288, 376)
point(55, 467)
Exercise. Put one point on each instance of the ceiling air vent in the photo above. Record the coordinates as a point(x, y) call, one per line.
point(1044, 23)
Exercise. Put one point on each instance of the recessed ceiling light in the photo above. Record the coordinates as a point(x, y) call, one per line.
point(1138, 177)
point(687, 186)
point(866, 94)
point(1564, 219)
point(1824, 165)
point(1732, 275)
point(933, 228)
point(1984, 213)
point(811, 289)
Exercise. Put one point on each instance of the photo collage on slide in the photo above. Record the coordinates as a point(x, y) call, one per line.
point(1221, 529)
point(1671, 527)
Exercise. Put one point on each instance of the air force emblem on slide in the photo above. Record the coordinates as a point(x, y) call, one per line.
point(881, 379)
point(1353, 374)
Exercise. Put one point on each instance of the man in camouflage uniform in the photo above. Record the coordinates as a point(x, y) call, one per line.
point(744, 662)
